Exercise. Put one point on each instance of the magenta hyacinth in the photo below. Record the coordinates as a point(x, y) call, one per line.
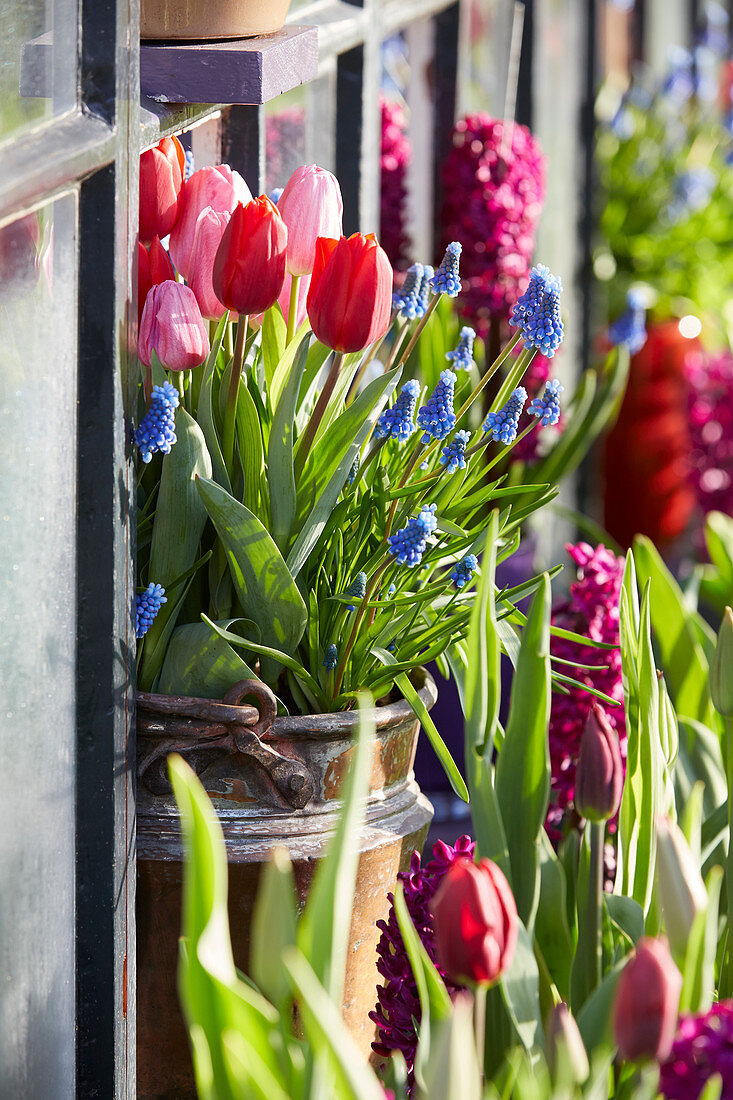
point(703, 1046)
point(591, 610)
point(398, 1004)
point(492, 202)
point(710, 379)
point(395, 157)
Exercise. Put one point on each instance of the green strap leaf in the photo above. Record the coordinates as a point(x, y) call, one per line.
point(280, 472)
point(200, 663)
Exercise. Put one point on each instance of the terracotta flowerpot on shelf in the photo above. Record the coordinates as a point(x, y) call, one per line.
point(273, 781)
point(203, 20)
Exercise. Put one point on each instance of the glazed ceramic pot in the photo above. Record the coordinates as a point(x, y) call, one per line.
point(203, 20)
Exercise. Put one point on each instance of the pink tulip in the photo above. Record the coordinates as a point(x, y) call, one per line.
point(284, 299)
point(218, 187)
point(172, 327)
point(210, 226)
point(646, 1002)
point(311, 207)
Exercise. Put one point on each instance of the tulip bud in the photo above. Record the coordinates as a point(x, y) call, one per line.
point(153, 267)
point(217, 187)
point(210, 226)
point(173, 328)
point(599, 776)
point(161, 179)
point(682, 893)
point(475, 922)
point(350, 296)
point(721, 669)
point(161, 267)
point(646, 1002)
point(249, 268)
point(311, 206)
point(566, 1055)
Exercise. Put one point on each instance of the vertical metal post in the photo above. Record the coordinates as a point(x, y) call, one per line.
point(243, 144)
point(447, 40)
point(526, 61)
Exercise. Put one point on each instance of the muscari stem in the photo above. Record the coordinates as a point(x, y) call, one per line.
point(292, 307)
point(405, 355)
point(230, 415)
point(317, 415)
point(355, 628)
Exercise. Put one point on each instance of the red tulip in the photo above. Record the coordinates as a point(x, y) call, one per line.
point(173, 328)
point(249, 268)
point(311, 206)
point(646, 1002)
point(599, 776)
point(475, 921)
point(161, 179)
point(153, 267)
point(219, 188)
point(350, 296)
point(210, 226)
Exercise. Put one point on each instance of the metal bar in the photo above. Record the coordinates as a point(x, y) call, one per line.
point(349, 133)
point(243, 144)
point(585, 487)
point(447, 39)
point(523, 111)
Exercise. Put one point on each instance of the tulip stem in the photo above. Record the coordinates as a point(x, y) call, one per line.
point(292, 308)
point(230, 417)
point(179, 382)
point(317, 415)
point(479, 1025)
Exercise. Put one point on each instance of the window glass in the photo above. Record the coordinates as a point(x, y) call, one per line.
point(38, 62)
point(37, 646)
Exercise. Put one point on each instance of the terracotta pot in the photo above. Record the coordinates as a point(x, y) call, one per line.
point(196, 20)
point(272, 781)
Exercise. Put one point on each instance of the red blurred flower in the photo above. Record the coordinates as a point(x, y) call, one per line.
point(249, 269)
point(475, 920)
point(161, 179)
point(646, 1002)
point(350, 296)
point(219, 188)
point(311, 207)
point(173, 328)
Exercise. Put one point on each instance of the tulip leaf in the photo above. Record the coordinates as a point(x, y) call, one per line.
point(594, 1018)
point(439, 746)
point(552, 930)
point(520, 988)
point(698, 986)
point(280, 473)
point(307, 683)
point(273, 341)
point(251, 451)
point(265, 588)
point(626, 914)
point(273, 930)
point(205, 412)
point(453, 1069)
point(199, 662)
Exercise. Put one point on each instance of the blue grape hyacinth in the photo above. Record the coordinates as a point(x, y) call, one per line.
point(503, 424)
point(147, 606)
point(397, 422)
point(463, 570)
point(331, 657)
point(462, 355)
point(630, 328)
point(453, 456)
point(354, 470)
point(405, 300)
point(437, 418)
point(446, 279)
point(547, 407)
point(409, 543)
point(423, 292)
point(357, 589)
point(537, 312)
point(157, 430)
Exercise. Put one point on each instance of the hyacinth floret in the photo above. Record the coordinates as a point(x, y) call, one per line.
point(463, 570)
point(409, 543)
point(331, 657)
point(157, 431)
point(396, 423)
point(453, 456)
point(423, 291)
point(629, 329)
point(357, 589)
point(147, 606)
point(537, 312)
point(437, 418)
point(702, 1047)
point(462, 355)
point(446, 279)
point(503, 424)
point(405, 300)
point(547, 407)
point(354, 470)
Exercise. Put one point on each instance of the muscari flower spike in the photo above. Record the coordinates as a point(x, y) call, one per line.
point(409, 543)
point(423, 292)
point(397, 421)
point(357, 589)
point(157, 430)
point(405, 300)
point(437, 418)
point(503, 424)
point(453, 456)
point(354, 470)
point(537, 312)
point(629, 329)
point(446, 279)
point(147, 606)
point(463, 570)
point(462, 355)
point(547, 407)
point(331, 657)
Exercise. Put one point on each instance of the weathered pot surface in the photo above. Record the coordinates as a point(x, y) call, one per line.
point(205, 20)
point(272, 781)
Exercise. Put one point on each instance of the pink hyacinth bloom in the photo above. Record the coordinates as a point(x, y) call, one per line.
point(219, 188)
point(172, 327)
point(311, 206)
point(210, 226)
point(710, 380)
point(396, 155)
point(702, 1046)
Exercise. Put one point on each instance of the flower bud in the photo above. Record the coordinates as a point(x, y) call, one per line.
point(217, 187)
point(475, 922)
point(599, 777)
point(161, 179)
point(646, 1002)
point(566, 1055)
point(153, 267)
point(249, 268)
point(173, 328)
point(311, 207)
point(210, 226)
point(350, 296)
point(721, 669)
point(682, 893)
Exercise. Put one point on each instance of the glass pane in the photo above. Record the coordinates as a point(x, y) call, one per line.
point(38, 55)
point(37, 646)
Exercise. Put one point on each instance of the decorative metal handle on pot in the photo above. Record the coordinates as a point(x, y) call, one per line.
point(188, 724)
